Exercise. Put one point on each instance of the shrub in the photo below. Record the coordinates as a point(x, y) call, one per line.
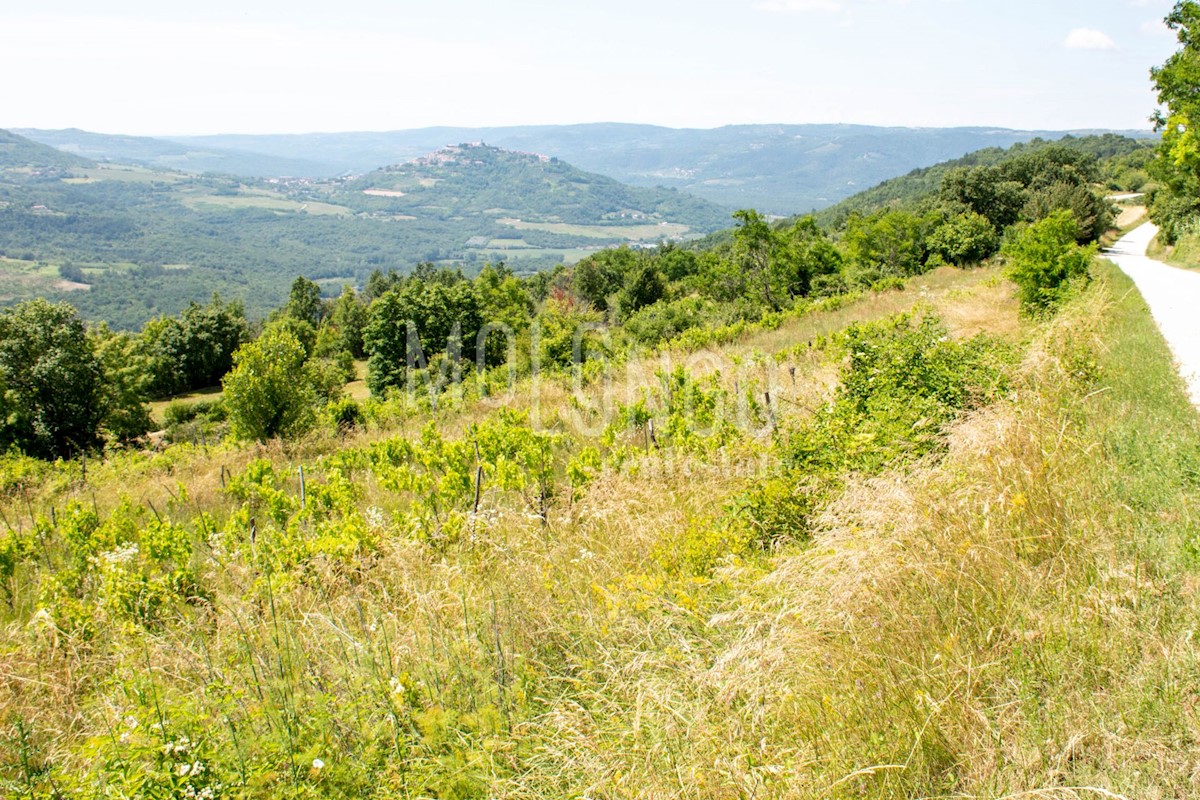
point(1045, 260)
point(179, 412)
point(345, 414)
point(966, 239)
point(270, 391)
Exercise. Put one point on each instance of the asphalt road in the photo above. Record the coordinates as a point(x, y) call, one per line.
point(1173, 295)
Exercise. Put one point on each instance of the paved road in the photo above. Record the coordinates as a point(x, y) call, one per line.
point(1173, 296)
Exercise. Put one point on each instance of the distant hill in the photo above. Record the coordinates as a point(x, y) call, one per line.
point(1117, 154)
point(780, 169)
point(19, 151)
point(166, 154)
point(481, 180)
point(136, 241)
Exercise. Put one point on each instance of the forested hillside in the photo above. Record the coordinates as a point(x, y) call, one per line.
point(123, 244)
point(1123, 166)
point(778, 169)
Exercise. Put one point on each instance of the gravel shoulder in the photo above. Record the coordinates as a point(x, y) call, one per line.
point(1173, 296)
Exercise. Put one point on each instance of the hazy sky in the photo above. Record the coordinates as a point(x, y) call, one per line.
point(261, 66)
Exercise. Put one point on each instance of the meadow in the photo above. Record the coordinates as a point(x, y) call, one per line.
point(907, 543)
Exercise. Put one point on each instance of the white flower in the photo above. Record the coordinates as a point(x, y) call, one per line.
point(122, 555)
point(318, 763)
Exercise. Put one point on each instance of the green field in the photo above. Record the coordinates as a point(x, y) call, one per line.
point(640, 233)
point(262, 200)
point(123, 173)
point(569, 255)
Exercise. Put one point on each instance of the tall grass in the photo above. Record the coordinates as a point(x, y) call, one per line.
point(1009, 617)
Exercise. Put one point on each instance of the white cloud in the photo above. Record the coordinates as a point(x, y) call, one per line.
point(1089, 39)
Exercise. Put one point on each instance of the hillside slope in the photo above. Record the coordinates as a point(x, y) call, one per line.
point(1121, 158)
point(151, 241)
point(17, 152)
point(165, 154)
point(781, 169)
point(480, 180)
point(460, 602)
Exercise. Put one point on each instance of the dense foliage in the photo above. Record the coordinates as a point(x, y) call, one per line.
point(1176, 206)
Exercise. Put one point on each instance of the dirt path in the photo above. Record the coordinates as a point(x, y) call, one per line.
point(1173, 296)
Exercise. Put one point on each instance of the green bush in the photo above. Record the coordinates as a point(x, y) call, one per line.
point(345, 414)
point(966, 239)
point(1045, 260)
point(179, 412)
point(271, 391)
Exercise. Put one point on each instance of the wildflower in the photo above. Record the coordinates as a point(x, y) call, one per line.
point(318, 763)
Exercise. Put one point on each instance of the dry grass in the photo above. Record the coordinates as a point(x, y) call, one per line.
point(1010, 620)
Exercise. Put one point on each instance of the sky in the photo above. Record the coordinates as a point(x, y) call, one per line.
point(149, 67)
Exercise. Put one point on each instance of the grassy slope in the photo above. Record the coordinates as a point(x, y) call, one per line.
point(1012, 618)
point(1184, 253)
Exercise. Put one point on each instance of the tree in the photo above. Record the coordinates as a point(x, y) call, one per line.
point(194, 350)
point(1177, 203)
point(753, 248)
point(53, 382)
point(887, 243)
point(304, 301)
point(347, 320)
point(409, 325)
point(966, 238)
point(270, 392)
point(987, 191)
point(596, 278)
point(806, 254)
point(643, 287)
point(126, 377)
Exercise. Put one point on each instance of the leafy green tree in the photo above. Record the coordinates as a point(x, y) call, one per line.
point(304, 302)
point(566, 332)
point(1045, 260)
point(891, 243)
point(270, 392)
point(754, 247)
point(195, 350)
point(643, 287)
point(987, 191)
point(1177, 204)
point(126, 378)
point(53, 382)
point(410, 324)
point(506, 307)
point(598, 277)
point(806, 254)
point(1092, 212)
point(347, 320)
point(301, 329)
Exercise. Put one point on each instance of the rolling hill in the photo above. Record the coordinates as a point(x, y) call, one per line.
point(149, 241)
point(166, 154)
point(780, 169)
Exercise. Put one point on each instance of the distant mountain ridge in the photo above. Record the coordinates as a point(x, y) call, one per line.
point(166, 154)
point(780, 169)
point(18, 151)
